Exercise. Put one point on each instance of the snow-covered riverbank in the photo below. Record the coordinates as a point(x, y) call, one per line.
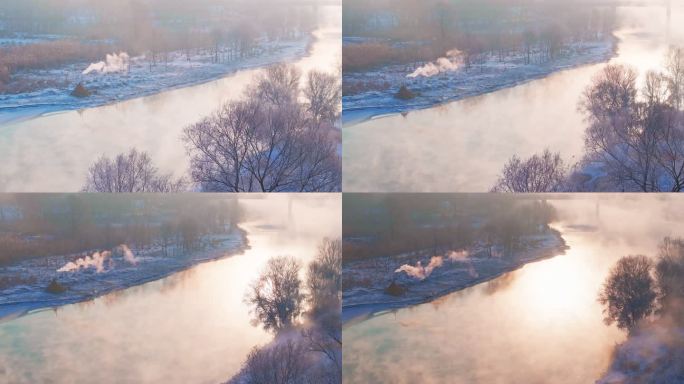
point(90, 274)
point(138, 80)
point(379, 87)
point(365, 284)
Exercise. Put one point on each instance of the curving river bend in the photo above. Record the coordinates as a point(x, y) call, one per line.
point(191, 327)
point(461, 146)
point(52, 153)
point(539, 324)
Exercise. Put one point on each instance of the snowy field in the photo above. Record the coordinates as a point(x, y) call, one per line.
point(136, 80)
point(365, 280)
point(380, 85)
point(91, 274)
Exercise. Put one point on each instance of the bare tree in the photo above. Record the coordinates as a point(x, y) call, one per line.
point(614, 136)
point(267, 142)
point(629, 292)
point(540, 173)
point(324, 277)
point(130, 172)
point(278, 84)
point(324, 96)
point(669, 272)
point(275, 297)
point(283, 363)
point(674, 67)
point(640, 143)
point(219, 146)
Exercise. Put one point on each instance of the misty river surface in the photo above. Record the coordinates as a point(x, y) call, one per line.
point(191, 327)
point(52, 153)
point(463, 145)
point(539, 324)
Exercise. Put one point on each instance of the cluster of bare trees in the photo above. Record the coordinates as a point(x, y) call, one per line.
point(539, 173)
point(277, 138)
point(130, 172)
point(307, 351)
point(638, 287)
point(634, 141)
point(638, 135)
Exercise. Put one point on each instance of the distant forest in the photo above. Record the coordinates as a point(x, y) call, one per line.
point(44, 225)
point(390, 224)
point(57, 33)
point(404, 31)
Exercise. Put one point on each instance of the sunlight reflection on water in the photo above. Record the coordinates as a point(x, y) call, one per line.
point(191, 327)
point(539, 324)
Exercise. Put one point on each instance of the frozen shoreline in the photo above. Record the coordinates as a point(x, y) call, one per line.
point(460, 84)
point(87, 284)
point(139, 81)
point(362, 303)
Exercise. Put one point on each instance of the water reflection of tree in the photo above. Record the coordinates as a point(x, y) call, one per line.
point(499, 284)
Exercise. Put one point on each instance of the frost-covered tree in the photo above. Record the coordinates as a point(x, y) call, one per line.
point(130, 172)
point(324, 96)
point(324, 276)
point(638, 139)
point(285, 362)
point(267, 142)
point(540, 173)
point(629, 292)
point(275, 297)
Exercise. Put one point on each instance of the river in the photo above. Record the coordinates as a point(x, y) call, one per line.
point(462, 146)
point(539, 324)
point(52, 153)
point(191, 327)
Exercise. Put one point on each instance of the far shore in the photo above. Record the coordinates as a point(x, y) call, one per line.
point(356, 308)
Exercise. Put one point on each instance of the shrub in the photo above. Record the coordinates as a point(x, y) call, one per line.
point(55, 287)
point(80, 91)
point(405, 93)
point(395, 289)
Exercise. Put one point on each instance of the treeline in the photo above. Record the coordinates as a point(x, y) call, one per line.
point(44, 225)
point(91, 29)
point(95, 19)
point(478, 29)
point(385, 225)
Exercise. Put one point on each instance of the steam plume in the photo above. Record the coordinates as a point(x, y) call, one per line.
point(113, 63)
point(421, 273)
point(97, 261)
point(452, 62)
point(458, 255)
point(128, 254)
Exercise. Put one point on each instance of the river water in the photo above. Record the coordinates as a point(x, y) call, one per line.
point(52, 153)
point(539, 324)
point(462, 146)
point(191, 327)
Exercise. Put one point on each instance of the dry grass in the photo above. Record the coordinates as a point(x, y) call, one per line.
point(360, 57)
point(42, 56)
